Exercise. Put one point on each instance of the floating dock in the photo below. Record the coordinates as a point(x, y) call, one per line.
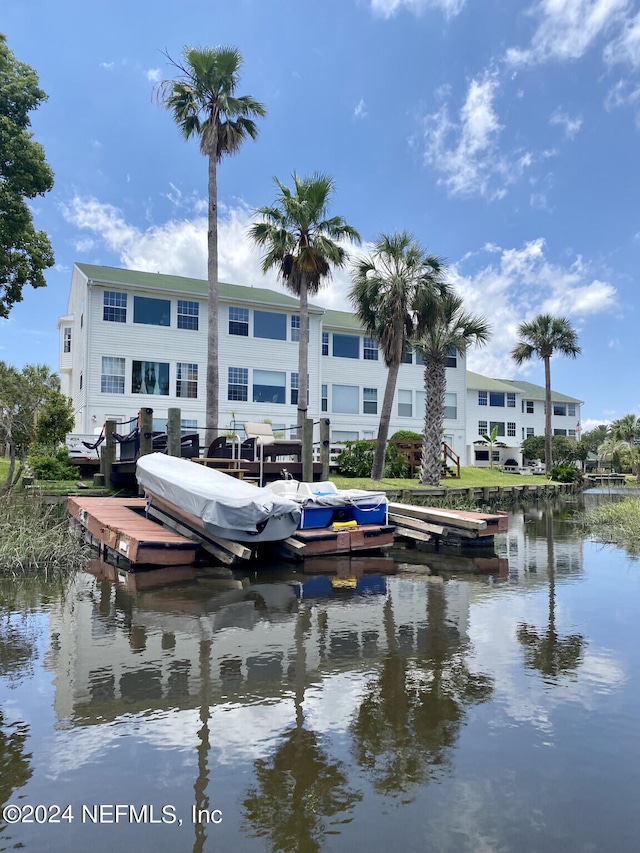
point(326, 541)
point(458, 528)
point(118, 527)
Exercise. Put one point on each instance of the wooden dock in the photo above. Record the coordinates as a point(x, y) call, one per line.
point(120, 530)
point(326, 541)
point(460, 528)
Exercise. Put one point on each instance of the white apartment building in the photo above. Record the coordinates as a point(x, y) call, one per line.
point(131, 339)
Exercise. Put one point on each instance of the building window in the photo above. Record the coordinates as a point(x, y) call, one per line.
point(268, 324)
point(496, 398)
point(339, 435)
point(269, 386)
point(187, 380)
point(405, 404)
point(482, 398)
point(370, 401)
point(530, 432)
point(324, 399)
point(112, 378)
point(496, 424)
point(295, 327)
point(559, 432)
point(511, 429)
point(419, 359)
point(559, 409)
point(237, 383)
point(511, 400)
point(150, 377)
point(571, 410)
point(407, 355)
point(451, 406)
point(81, 381)
point(482, 427)
point(151, 312)
point(345, 399)
point(188, 313)
point(482, 455)
point(114, 307)
point(346, 346)
point(239, 322)
point(452, 357)
point(325, 343)
point(66, 339)
point(294, 389)
point(572, 432)
point(188, 425)
point(529, 407)
point(369, 349)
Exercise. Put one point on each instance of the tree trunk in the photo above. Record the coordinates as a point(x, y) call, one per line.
point(548, 461)
point(377, 471)
point(435, 384)
point(303, 355)
point(213, 379)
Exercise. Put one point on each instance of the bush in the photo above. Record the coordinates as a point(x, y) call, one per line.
point(406, 435)
point(566, 473)
point(56, 465)
point(356, 460)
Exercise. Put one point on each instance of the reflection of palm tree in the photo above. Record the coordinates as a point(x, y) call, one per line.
point(202, 780)
point(410, 716)
point(545, 650)
point(16, 768)
point(299, 787)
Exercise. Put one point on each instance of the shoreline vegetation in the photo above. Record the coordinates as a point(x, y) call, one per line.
point(616, 523)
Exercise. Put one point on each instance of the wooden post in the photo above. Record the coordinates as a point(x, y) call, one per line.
point(307, 450)
point(145, 422)
point(173, 432)
point(108, 453)
point(325, 447)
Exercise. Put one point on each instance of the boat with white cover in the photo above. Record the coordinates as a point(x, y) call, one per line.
point(216, 502)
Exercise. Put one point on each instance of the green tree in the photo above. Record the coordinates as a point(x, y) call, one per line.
point(593, 438)
point(300, 242)
point(204, 104)
point(543, 337)
point(55, 419)
point(491, 439)
point(385, 287)
point(22, 396)
point(442, 324)
point(24, 174)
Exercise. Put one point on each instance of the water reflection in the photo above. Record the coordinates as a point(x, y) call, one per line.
point(318, 712)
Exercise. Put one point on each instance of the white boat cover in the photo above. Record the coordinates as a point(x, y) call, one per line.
point(222, 502)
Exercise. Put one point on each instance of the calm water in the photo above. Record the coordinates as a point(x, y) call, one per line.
point(490, 713)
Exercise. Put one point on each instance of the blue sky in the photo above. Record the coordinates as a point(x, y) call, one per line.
point(505, 136)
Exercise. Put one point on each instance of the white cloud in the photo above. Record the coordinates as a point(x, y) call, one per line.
point(571, 125)
point(153, 75)
point(179, 246)
point(361, 109)
point(625, 48)
point(107, 65)
point(516, 285)
point(387, 8)
point(466, 152)
point(567, 29)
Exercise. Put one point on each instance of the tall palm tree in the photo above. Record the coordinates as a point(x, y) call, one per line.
point(300, 238)
point(204, 104)
point(385, 286)
point(442, 324)
point(544, 336)
point(627, 428)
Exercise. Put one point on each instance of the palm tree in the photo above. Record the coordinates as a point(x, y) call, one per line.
point(543, 337)
point(492, 440)
point(204, 104)
point(384, 289)
point(300, 242)
point(442, 324)
point(627, 429)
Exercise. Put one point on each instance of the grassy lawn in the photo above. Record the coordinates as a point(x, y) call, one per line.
point(469, 477)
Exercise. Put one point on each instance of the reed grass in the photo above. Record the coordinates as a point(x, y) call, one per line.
point(34, 536)
point(616, 523)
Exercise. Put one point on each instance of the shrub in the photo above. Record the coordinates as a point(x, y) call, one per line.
point(356, 460)
point(47, 465)
point(406, 435)
point(566, 473)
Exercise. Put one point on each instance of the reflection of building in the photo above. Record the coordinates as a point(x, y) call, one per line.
point(115, 654)
point(526, 545)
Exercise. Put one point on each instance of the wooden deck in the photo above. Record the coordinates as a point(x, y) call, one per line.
point(446, 526)
point(117, 528)
point(326, 541)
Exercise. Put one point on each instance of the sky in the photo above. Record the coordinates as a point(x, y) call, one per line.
point(503, 135)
